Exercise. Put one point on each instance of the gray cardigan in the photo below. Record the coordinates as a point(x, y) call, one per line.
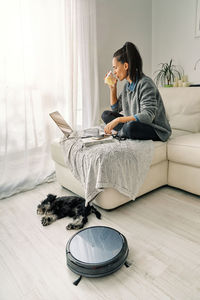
point(145, 103)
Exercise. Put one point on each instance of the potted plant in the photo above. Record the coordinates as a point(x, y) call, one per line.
point(166, 74)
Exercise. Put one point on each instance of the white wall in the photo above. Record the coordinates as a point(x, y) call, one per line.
point(173, 28)
point(117, 22)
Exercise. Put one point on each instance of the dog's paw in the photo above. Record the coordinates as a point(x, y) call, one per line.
point(71, 226)
point(47, 220)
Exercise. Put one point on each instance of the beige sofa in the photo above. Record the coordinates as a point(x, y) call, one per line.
point(175, 162)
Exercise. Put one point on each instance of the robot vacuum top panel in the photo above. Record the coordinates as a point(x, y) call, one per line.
point(96, 245)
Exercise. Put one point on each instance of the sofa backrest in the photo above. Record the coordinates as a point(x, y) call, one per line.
point(182, 106)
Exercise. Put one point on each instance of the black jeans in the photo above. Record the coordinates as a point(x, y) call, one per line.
point(132, 130)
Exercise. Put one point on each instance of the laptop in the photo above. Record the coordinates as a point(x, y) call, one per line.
point(61, 123)
point(90, 136)
point(67, 130)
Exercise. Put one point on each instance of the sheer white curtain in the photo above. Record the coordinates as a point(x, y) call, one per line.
point(47, 62)
point(82, 59)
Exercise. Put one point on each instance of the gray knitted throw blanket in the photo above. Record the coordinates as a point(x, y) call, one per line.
point(121, 165)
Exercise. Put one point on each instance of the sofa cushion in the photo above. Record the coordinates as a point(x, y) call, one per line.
point(185, 149)
point(182, 107)
point(176, 132)
point(160, 153)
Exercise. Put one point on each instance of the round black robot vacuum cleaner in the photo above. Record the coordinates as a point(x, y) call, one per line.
point(96, 251)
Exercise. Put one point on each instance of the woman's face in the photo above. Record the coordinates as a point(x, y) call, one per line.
point(120, 70)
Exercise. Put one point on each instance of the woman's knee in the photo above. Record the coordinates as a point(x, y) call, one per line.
point(130, 129)
point(141, 131)
point(105, 115)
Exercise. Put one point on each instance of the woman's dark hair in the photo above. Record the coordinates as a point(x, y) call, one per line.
point(130, 54)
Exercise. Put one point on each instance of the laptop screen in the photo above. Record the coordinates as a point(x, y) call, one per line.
point(61, 123)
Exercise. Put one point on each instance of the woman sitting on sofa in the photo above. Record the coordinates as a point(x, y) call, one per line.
point(144, 114)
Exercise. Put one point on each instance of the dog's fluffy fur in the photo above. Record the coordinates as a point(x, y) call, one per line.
point(54, 208)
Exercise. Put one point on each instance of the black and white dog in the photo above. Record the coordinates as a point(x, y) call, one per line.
point(54, 208)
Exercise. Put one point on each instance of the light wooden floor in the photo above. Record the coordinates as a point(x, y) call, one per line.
point(162, 229)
